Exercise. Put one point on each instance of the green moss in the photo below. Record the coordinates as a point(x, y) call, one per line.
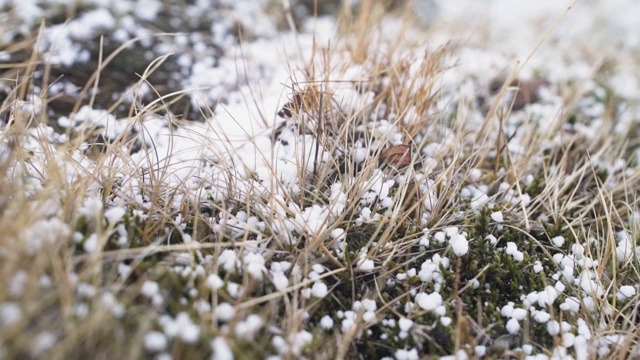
point(356, 238)
point(537, 186)
point(503, 279)
point(478, 227)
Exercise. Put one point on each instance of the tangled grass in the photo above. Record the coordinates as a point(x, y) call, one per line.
point(505, 226)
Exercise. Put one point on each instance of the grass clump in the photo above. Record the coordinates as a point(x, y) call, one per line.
point(381, 210)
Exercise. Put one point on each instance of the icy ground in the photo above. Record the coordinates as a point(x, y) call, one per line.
point(236, 65)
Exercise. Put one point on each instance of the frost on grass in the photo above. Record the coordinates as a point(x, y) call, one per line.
point(273, 226)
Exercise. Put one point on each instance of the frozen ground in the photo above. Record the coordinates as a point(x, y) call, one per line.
point(219, 188)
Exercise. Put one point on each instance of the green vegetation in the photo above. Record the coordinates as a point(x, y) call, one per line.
point(505, 230)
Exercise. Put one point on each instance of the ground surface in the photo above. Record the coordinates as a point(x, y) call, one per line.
point(245, 179)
